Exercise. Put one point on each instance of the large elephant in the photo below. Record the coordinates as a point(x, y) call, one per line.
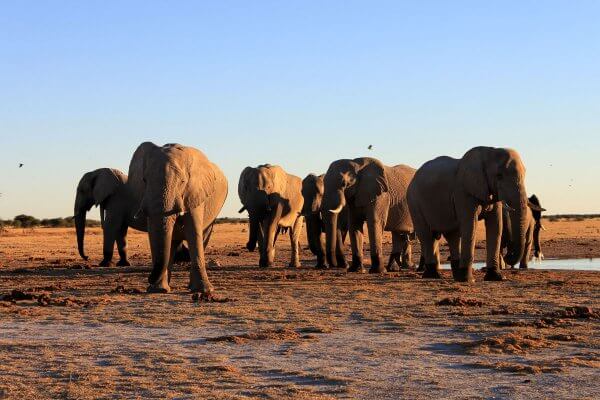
point(273, 199)
point(532, 232)
point(312, 191)
point(448, 196)
point(183, 192)
point(374, 193)
point(109, 189)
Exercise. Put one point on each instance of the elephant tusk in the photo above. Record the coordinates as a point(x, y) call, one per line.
point(542, 227)
point(337, 210)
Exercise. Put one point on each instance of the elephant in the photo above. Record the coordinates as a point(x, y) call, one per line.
point(182, 194)
point(273, 199)
point(447, 196)
point(532, 232)
point(108, 188)
point(312, 191)
point(371, 192)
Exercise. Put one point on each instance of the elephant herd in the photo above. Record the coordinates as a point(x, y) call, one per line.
point(175, 193)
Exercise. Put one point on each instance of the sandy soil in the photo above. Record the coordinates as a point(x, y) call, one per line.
point(71, 330)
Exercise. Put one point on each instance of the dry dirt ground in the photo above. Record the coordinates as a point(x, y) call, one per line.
point(71, 330)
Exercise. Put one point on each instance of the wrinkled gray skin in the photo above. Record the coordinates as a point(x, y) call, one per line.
point(375, 194)
point(183, 192)
point(312, 191)
point(447, 197)
point(273, 199)
point(532, 233)
point(108, 188)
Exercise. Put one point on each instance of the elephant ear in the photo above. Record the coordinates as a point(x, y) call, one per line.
point(243, 184)
point(106, 183)
point(201, 181)
point(473, 174)
point(371, 182)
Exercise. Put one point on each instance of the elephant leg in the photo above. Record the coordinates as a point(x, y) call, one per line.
point(406, 252)
point(122, 247)
point(493, 236)
point(315, 240)
point(193, 223)
point(421, 266)
point(294, 241)
point(356, 241)
point(340, 255)
point(453, 239)
point(110, 236)
point(468, 225)
point(394, 260)
point(431, 256)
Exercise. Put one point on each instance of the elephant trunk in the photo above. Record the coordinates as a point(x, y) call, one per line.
point(254, 231)
point(80, 229)
point(160, 230)
point(330, 222)
point(518, 221)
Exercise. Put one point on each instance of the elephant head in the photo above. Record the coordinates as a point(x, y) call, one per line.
point(536, 213)
point(176, 180)
point(355, 183)
point(259, 189)
point(496, 174)
point(312, 192)
point(94, 189)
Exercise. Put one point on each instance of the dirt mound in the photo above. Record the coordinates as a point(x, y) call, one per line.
point(517, 368)
point(122, 290)
point(279, 335)
point(459, 302)
point(24, 298)
point(577, 312)
point(209, 298)
point(512, 343)
point(546, 322)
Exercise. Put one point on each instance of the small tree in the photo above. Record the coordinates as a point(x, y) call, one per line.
point(26, 221)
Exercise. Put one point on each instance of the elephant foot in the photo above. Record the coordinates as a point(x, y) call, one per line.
point(294, 265)
point(106, 264)
point(356, 268)
point(523, 266)
point(420, 268)
point(393, 268)
point(431, 271)
point(321, 266)
point(123, 263)
point(343, 264)
point(463, 274)
point(158, 288)
point(493, 275)
point(265, 263)
point(380, 269)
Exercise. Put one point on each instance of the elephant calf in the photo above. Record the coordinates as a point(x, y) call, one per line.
point(374, 193)
point(118, 201)
point(183, 192)
point(532, 233)
point(447, 197)
point(312, 191)
point(273, 199)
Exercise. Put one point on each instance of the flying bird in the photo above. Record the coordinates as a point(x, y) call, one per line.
point(20, 165)
point(370, 147)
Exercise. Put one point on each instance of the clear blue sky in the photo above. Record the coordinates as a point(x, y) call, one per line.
point(299, 84)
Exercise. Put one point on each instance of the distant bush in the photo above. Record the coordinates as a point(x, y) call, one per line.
point(571, 217)
point(227, 220)
point(27, 221)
